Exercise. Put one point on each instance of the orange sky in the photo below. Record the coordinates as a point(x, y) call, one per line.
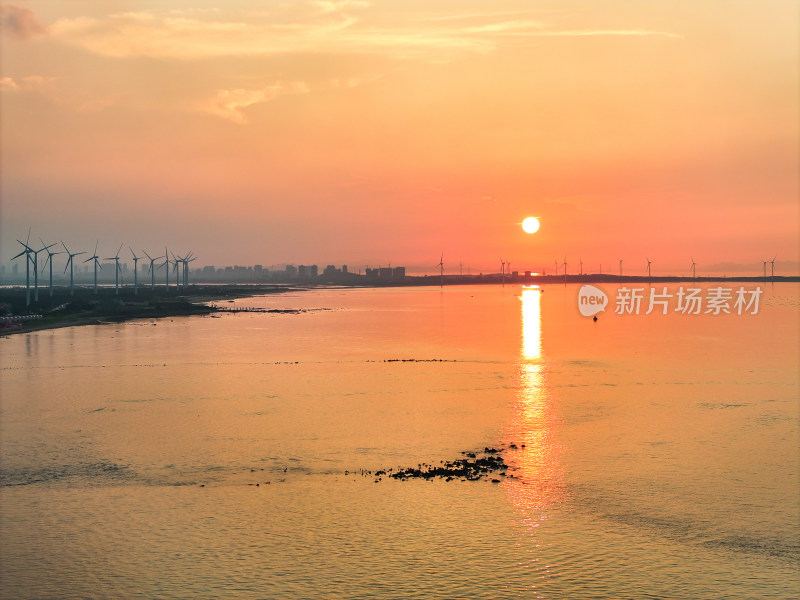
point(364, 132)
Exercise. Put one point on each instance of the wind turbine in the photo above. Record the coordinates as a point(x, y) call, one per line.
point(620, 267)
point(27, 252)
point(189, 258)
point(441, 270)
point(649, 262)
point(70, 265)
point(49, 259)
point(135, 271)
point(772, 262)
point(165, 264)
point(581, 264)
point(565, 270)
point(556, 264)
point(115, 258)
point(176, 260)
point(694, 275)
point(95, 258)
point(152, 271)
point(762, 260)
point(36, 270)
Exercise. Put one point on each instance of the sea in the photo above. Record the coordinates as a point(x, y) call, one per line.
point(651, 453)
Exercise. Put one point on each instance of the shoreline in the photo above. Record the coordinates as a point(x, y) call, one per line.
point(86, 308)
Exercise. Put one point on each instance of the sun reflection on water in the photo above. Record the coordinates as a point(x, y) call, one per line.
point(537, 483)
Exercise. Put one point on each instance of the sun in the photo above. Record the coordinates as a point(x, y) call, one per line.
point(530, 225)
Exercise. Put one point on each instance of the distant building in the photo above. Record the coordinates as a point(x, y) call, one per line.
point(307, 271)
point(399, 273)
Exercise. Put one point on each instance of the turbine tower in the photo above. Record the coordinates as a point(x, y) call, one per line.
point(49, 259)
point(555, 262)
point(441, 270)
point(620, 267)
point(762, 260)
point(165, 264)
point(176, 260)
point(27, 252)
point(694, 274)
point(95, 258)
point(70, 266)
point(580, 262)
point(36, 269)
point(135, 271)
point(772, 262)
point(115, 258)
point(189, 258)
point(649, 262)
point(152, 271)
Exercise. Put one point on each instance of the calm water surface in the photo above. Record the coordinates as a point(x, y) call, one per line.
point(222, 457)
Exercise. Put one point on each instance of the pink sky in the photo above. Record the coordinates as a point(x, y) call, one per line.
point(364, 132)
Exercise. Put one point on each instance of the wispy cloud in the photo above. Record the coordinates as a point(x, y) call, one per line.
point(230, 104)
point(48, 88)
point(8, 84)
point(521, 26)
point(340, 5)
point(332, 28)
point(20, 23)
point(609, 32)
point(128, 35)
point(31, 83)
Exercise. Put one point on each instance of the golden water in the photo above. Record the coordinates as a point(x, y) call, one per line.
point(660, 454)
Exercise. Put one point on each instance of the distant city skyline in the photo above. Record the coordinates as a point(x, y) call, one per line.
point(632, 267)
